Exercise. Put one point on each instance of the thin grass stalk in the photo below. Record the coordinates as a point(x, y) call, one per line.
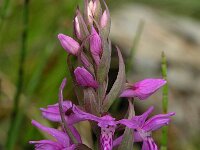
point(15, 119)
point(129, 63)
point(164, 101)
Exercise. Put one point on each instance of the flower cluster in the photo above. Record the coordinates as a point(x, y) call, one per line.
point(91, 50)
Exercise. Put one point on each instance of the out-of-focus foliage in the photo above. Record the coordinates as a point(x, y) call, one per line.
point(45, 64)
point(182, 7)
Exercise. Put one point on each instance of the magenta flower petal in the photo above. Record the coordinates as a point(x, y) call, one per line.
point(117, 141)
point(157, 122)
point(149, 144)
point(129, 123)
point(52, 112)
point(69, 44)
point(61, 137)
point(143, 128)
point(143, 89)
point(84, 78)
point(142, 118)
point(95, 45)
point(46, 144)
point(106, 138)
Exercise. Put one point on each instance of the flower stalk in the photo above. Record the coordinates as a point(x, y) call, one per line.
point(164, 101)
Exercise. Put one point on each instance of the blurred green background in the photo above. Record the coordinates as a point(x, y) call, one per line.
point(45, 61)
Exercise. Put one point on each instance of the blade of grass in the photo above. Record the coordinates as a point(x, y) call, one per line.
point(129, 63)
point(15, 119)
point(164, 101)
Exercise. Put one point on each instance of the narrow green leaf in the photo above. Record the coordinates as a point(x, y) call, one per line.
point(118, 85)
point(16, 112)
point(77, 89)
point(82, 147)
point(129, 62)
point(127, 141)
point(90, 101)
point(106, 29)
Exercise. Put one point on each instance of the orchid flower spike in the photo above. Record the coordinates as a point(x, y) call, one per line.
point(142, 89)
point(73, 115)
point(69, 44)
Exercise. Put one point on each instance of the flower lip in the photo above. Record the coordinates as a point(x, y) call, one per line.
point(106, 121)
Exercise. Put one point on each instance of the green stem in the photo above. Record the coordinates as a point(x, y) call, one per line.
point(164, 102)
point(62, 113)
point(15, 119)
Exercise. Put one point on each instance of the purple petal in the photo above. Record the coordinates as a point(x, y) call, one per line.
point(129, 123)
point(46, 144)
point(61, 137)
point(69, 44)
point(52, 112)
point(157, 122)
point(137, 136)
point(149, 144)
point(142, 118)
point(143, 89)
point(95, 45)
point(103, 122)
point(84, 78)
point(75, 133)
point(117, 141)
point(106, 121)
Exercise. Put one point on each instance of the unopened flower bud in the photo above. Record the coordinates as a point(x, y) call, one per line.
point(77, 28)
point(69, 44)
point(84, 78)
point(104, 19)
point(84, 60)
point(95, 45)
point(91, 10)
